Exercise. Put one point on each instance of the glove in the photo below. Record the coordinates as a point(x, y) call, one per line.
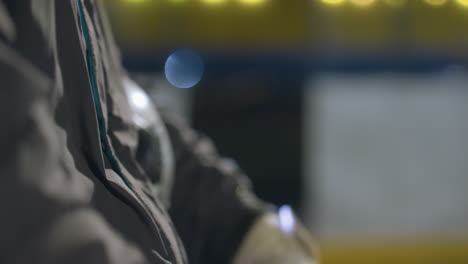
point(277, 239)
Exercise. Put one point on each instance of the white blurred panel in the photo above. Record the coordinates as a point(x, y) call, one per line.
point(390, 155)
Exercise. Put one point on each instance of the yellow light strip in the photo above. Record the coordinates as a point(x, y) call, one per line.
point(363, 3)
point(430, 251)
point(252, 2)
point(333, 2)
point(436, 2)
point(359, 3)
point(213, 2)
point(135, 1)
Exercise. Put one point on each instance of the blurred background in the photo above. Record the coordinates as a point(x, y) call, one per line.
point(352, 111)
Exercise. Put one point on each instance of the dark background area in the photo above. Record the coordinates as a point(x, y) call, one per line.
point(352, 111)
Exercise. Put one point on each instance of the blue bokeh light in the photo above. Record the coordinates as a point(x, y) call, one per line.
point(287, 222)
point(184, 68)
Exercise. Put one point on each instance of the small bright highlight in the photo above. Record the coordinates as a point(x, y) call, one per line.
point(333, 2)
point(363, 3)
point(463, 3)
point(138, 99)
point(436, 2)
point(286, 220)
point(252, 2)
point(213, 2)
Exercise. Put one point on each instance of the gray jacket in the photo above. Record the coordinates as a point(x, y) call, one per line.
point(72, 190)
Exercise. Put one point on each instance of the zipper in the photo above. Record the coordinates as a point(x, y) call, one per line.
point(106, 146)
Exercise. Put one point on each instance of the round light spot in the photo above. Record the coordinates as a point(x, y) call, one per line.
point(184, 68)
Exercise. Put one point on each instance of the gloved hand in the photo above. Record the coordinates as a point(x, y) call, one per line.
point(277, 239)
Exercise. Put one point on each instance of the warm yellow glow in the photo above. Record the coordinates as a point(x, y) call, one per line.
point(136, 1)
point(333, 2)
point(363, 3)
point(463, 3)
point(436, 2)
point(396, 3)
point(252, 2)
point(213, 2)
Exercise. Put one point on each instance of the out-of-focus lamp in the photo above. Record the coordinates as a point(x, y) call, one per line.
point(252, 2)
point(436, 2)
point(213, 2)
point(333, 2)
point(135, 1)
point(363, 3)
point(463, 3)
